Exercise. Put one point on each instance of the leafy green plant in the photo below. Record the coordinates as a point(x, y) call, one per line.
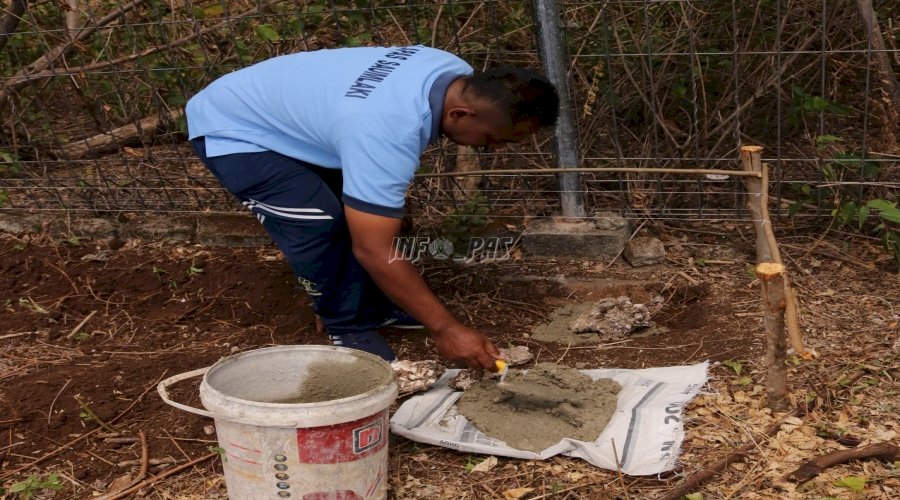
point(737, 366)
point(877, 216)
point(471, 462)
point(803, 104)
point(221, 451)
point(881, 217)
point(33, 485)
point(459, 226)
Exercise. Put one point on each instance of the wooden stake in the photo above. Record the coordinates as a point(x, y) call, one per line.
point(466, 161)
point(771, 277)
point(766, 246)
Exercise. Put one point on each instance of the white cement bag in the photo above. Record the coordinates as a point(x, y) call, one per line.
point(646, 427)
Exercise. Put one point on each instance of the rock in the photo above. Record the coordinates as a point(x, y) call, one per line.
point(415, 376)
point(516, 355)
point(645, 251)
point(612, 317)
point(465, 378)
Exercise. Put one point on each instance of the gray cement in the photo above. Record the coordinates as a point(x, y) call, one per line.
point(535, 409)
point(330, 381)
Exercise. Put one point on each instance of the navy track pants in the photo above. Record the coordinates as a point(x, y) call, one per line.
point(299, 206)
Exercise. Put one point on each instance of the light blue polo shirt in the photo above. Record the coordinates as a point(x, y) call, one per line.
point(369, 111)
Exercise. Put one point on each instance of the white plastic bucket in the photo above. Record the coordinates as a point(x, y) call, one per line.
point(304, 422)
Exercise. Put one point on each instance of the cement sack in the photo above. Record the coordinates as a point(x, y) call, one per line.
point(647, 426)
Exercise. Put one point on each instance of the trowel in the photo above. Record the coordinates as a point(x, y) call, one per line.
point(502, 369)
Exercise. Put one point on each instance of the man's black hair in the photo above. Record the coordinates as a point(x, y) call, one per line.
point(523, 94)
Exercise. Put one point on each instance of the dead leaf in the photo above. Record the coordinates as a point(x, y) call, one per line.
point(119, 483)
point(485, 465)
point(574, 476)
point(516, 493)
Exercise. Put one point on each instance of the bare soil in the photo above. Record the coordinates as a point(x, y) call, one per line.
point(155, 309)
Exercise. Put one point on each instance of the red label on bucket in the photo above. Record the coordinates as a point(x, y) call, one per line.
point(345, 442)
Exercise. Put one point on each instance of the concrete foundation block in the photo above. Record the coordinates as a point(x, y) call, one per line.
point(578, 239)
point(645, 251)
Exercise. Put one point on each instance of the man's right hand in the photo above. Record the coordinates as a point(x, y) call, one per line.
point(466, 346)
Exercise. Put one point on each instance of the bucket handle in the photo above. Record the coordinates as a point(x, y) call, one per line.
point(162, 389)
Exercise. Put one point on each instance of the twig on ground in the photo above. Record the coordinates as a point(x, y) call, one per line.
point(693, 482)
point(93, 416)
point(163, 475)
point(809, 470)
point(82, 437)
point(120, 440)
point(145, 455)
point(12, 335)
point(688, 277)
point(50, 411)
point(81, 324)
point(150, 461)
point(619, 469)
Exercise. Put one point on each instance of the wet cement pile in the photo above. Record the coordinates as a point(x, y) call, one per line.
point(330, 381)
point(534, 410)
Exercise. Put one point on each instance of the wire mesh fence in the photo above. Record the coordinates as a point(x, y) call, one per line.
point(92, 92)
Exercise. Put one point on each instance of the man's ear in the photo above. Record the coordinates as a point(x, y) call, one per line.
point(461, 112)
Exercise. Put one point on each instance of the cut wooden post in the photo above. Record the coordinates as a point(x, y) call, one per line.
point(771, 278)
point(466, 161)
point(766, 246)
point(754, 187)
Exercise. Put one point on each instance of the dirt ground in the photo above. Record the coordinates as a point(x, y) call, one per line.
point(88, 327)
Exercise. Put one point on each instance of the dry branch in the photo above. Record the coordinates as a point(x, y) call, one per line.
point(23, 75)
point(116, 137)
point(9, 473)
point(17, 80)
point(126, 492)
point(638, 170)
point(694, 481)
point(811, 469)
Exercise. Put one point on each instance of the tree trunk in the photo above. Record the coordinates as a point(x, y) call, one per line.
point(10, 20)
point(882, 59)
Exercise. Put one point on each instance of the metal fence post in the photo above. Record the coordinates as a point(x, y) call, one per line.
point(555, 59)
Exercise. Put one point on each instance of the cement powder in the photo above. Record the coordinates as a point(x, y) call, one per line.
point(330, 381)
point(536, 409)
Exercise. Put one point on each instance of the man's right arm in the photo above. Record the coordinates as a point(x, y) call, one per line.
point(373, 239)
